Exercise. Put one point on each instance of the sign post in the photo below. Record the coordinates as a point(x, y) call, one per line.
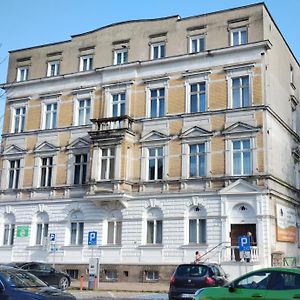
point(244, 247)
point(93, 262)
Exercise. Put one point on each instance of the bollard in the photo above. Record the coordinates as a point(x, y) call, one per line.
point(81, 282)
point(95, 282)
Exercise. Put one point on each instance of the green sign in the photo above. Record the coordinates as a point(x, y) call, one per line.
point(22, 231)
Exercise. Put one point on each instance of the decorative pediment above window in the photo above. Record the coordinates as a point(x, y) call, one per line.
point(239, 128)
point(194, 133)
point(79, 143)
point(45, 147)
point(240, 187)
point(154, 136)
point(13, 150)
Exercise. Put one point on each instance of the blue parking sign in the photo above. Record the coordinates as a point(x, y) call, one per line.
point(52, 237)
point(92, 238)
point(244, 243)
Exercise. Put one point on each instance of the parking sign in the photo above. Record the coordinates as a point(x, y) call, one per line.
point(92, 238)
point(244, 243)
point(52, 237)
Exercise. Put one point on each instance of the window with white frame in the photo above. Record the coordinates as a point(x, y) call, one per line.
point(22, 73)
point(198, 97)
point(238, 36)
point(41, 229)
point(14, 174)
point(197, 44)
point(80, 168)
point(154, 231)
point(157, 102)
point(241, 157)
point(158, 50)
point(77, 233)
point(240, 91)
point(9, 230)
point(197, 225)
point(84, 111)
point(118, 104)
point(120, 56)
point(50, 118)
point(53, 68)
point(46, 171)
point(197, 160)
point(155, 163)
point(86, 63)
point(107, 162)
point(114, 232)
point(19, 119)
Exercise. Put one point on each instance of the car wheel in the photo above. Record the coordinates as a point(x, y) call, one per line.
point(63, 283)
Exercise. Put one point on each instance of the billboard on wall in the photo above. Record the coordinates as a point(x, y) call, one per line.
point(286, 224)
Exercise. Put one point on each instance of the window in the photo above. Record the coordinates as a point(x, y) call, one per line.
point(240, 91)
point(50, 115)
point(46, 171)
point(196, 44)
point(84, 111)
point(114, 233)
point(118, 104)
point(157, 102)
point(9, 232)
point(121, 56)
point(158, 50)
point(197, 161)
point(19, 119)
point(156, 163)
point(41, 233)
point(77, 233)
point(22, 73)
point(242, 157)
point(86, 63)
point(154, 232)
point(80, 168)
point(14, 174)
point(152, 275)
point(107, 163)
point(238, 36)
point(197, 231)
point(53, 68)
point(111, 275)
point(198, 97)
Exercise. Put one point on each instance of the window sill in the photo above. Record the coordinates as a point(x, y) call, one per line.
point(110, 246)
point(36, 247)
point(193, 246)
point(72, 247)
point(151, 246)
point(6, 247)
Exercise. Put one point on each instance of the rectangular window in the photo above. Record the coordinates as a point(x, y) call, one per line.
point(107, 163)
point(158, 50)
point(156, 163)
point(80, 168)
point(50, 115)
point(157, 102)
point(84, 111)
point(41, 233)
point(197, 160)
point(154, 232)
point(9, 233)
point(118, 104)
point(240, 92)
point(14, 174)
point(86, 63)
point(198, 97)
point(53, 68)
point(197, 44)
point(242, 157)
point(77, 233)
point(197, 231)
point(19, 119)
point(238, 36)
point(22, 73)
point(121, 56)
point(46, 171)
point(114, 233)
point(152, 275)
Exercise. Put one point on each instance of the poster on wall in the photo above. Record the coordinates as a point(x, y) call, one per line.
point(286, 224)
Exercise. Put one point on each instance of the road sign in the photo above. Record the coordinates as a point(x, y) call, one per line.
point(244, 243)
point(92, 238)
point(52, 237)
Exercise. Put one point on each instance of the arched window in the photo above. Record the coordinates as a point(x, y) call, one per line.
point(114, 228)
point(197, 225)
point(42, 224)
point(76, 228)
point(9, 229)
point(154, 226)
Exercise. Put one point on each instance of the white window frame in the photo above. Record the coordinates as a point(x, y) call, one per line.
point(159, 46)
point(22, 73)
point(199, 228)
point(49, 170)
point(82, 164)
point(16, 174)
point(51, 115)
point(86, 63)
point(154, 234)
point(8, 233)
point(242, 152)
point(78, 241)
point(199, 154)
point(18, 120)
point(53, 68)
point(156, 159)
point(238, 30)
point(108, 161)
point(123, 53)
point(84, 111)
point(119, 103)
point(42, 229)
point(197, 39)
point(116, 226)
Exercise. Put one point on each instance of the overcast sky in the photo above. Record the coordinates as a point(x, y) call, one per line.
point(27, 23)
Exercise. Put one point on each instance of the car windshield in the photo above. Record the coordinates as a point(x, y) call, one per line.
point(191, 270)
point(21, 279)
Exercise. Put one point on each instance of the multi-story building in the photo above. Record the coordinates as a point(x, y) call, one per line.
point(163, 136)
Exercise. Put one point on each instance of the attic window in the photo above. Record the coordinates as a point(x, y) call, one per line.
point(243, 208)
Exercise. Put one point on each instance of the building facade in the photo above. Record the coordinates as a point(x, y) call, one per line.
point(164, 137)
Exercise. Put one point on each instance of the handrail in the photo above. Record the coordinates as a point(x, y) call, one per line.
point(212, 249)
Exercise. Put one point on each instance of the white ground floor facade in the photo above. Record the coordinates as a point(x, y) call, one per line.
point(161, 230)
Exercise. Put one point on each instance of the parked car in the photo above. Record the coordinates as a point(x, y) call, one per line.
point(270, 283)
point(46, 273)
point(18, 284)
point(188, 278)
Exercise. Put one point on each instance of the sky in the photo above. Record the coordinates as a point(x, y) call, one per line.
point(28, 23)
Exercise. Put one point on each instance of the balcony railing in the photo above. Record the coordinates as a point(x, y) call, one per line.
point(232, 253)
point(112, 123)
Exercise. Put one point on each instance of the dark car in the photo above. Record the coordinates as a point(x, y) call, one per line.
point(188, 278)
point(17, 284)
point(46, 273)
